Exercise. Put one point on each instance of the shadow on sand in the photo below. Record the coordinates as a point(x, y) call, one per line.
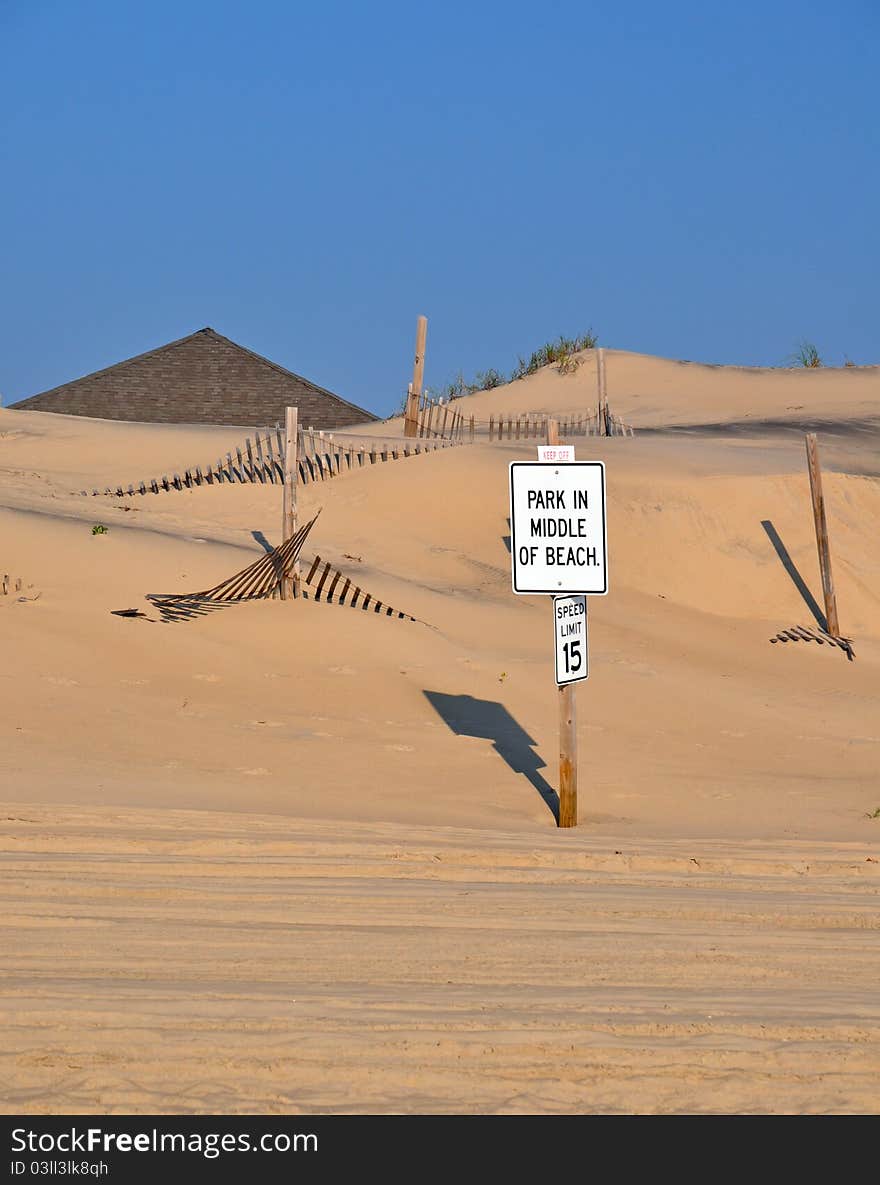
point(491, 721)
point(791, 568)
point(185, 608)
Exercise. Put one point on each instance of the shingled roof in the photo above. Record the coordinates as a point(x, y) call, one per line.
point(201, 379)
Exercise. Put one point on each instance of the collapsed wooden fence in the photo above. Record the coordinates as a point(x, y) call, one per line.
point(262, 580)
point(321, 572)
point(320, 457)
point(258, 580)
point(800, 633)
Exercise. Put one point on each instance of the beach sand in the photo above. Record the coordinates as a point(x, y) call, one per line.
point(297, 857)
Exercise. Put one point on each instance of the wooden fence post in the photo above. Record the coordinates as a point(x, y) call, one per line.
point(552, 432)
point(410, 427)
point(290, 585)
point(831, 622)
point(603, 392)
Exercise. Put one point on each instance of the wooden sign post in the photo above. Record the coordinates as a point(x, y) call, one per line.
point(414, 396)
point(571, 660)
point(831, 623)
point(568, 762)
point(290, 585)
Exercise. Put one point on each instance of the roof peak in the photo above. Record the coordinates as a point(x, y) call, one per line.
point(206, 334)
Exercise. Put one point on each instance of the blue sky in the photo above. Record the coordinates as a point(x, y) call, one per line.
point(695, 180)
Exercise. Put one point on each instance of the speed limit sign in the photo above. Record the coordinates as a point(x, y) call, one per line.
point(570, 638)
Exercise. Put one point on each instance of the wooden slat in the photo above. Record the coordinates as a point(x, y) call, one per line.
point(265, 468)
point(324, 576)
point(255, 472)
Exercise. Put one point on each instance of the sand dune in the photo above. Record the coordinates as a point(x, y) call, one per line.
point(652, 392)
point(333, 779)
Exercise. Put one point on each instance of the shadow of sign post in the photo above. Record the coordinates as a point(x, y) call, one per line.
point(491, 721)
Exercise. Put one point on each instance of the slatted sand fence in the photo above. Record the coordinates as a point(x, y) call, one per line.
point(321, 456)
point(262, 580)
point(329, 584)
point(533, 425)
point(501, 426)
point(800, 633)
point(439, 420)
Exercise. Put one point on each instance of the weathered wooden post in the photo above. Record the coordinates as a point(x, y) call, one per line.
point(603, 392)
point(568, 810)
point(831, 622)
point(410, 413)
point(568, 763)
point(410, 427)
point(290, 584)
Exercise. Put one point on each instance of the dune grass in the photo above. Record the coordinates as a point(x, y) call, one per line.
point(561, 353)
point(806, 355)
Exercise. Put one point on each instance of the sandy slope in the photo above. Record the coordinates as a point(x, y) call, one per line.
point(352, 740)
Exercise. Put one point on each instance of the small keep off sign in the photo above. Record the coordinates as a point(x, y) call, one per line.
point(557, 527)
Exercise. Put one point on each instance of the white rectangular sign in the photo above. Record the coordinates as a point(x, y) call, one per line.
point(557, 526)
point(570, 638)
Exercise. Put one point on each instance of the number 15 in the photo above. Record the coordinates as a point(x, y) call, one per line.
point(573, 659)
